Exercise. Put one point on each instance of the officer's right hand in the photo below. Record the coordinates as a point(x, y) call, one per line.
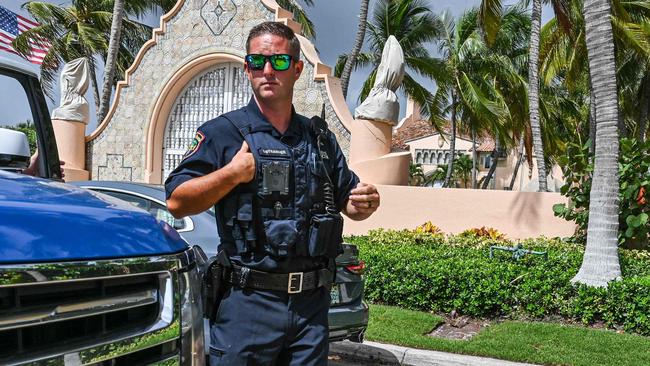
point(244, 164)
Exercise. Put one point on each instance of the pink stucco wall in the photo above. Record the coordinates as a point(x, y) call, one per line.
point(517, 214)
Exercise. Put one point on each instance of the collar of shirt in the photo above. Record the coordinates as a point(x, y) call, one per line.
point(258, 122)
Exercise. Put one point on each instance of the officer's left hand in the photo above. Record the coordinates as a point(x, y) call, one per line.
point(364, 198)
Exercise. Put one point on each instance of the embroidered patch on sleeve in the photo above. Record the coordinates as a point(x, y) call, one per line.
point(195, 144)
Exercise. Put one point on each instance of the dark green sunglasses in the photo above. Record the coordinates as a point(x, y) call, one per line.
point(280, 62)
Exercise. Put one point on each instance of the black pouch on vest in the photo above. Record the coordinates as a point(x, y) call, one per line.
point(281, 236)
point(325, 235)
point(243, 230)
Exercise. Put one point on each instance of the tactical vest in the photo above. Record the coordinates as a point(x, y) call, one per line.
point(281, 212)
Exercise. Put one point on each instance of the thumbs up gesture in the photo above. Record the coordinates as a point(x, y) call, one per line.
point(244, 164)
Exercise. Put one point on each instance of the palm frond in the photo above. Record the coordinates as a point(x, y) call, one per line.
point(490, 13)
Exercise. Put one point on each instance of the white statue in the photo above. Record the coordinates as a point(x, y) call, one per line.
point(382, 104)
point(74, 80)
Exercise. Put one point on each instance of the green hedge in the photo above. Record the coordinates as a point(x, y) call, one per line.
point(421, 271)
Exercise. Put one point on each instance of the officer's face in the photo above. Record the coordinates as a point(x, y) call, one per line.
point(268, 84)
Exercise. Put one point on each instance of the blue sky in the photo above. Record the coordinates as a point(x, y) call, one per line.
point(335, 22)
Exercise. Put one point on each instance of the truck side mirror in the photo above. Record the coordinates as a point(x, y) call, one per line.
point(14, 150)
point(179, 224)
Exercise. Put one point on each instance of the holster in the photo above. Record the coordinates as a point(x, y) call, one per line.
point(215, 284)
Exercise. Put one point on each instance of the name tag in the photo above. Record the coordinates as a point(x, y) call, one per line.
point(274, 153)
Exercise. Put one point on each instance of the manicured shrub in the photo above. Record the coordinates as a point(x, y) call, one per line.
point(427, 271)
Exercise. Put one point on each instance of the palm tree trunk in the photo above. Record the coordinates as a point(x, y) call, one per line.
point(452, 143)
point(519, 160)
point(493, 166)
point(474, 158)
point(93, 77)
point(644, 109)
point(111, 58)
point(533, 93)
point(592, 120)
point(358, 42)
point(600, 263)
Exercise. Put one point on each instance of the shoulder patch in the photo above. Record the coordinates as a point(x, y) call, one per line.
point(195, 144)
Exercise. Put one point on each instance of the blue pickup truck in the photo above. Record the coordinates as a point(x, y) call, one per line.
point(86, 279)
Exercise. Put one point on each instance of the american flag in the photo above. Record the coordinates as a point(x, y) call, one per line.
point(11, 25)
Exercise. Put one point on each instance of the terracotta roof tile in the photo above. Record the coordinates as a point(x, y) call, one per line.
point(417, 129)
point(487, 145)
point(410, 130)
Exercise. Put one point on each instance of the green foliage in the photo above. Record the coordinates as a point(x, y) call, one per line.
point(430, 272)
point(634, 178)
point(462, 169)
point(634, 173)
point(416, 175)
point(29, 130)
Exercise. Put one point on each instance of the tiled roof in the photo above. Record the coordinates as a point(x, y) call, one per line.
point(487, 145)
point(417, 129)
point(411, 130)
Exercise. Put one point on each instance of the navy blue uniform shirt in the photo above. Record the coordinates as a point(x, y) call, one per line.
point(216, 144)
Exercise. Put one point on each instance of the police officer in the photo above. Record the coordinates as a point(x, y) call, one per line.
point(278, 181)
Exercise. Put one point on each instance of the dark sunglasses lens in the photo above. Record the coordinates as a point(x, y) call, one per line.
point(280, 62)
point(256, 62)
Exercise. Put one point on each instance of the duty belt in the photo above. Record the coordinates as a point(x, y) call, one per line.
point(292, 283)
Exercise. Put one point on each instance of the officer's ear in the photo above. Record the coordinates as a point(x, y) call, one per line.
point(298, 68)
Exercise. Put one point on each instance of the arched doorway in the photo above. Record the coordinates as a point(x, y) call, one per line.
point(220, 89)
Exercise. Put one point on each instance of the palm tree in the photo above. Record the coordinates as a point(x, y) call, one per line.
point(358, 42)
point(484, 84)
point(533, 93)
point(82, 29)
point(490, 19)
point(459, 46)
point(113, 48)
point(564, 61)
point(631, 27)
point(414, 25)
point(600, 263)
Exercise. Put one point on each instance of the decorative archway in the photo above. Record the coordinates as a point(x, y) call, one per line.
point(176, 87)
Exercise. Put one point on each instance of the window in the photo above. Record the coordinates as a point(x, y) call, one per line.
point(487, 161)
point(16, 114)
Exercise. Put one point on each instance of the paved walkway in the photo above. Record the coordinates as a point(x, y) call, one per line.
point(372, 353)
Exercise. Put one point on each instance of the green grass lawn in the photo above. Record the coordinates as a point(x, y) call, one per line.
point(534, 342)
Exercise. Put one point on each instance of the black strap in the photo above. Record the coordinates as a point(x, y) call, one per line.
point(319, 129)
point(295, 282)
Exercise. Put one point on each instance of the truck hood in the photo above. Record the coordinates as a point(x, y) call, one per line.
point(46, 221)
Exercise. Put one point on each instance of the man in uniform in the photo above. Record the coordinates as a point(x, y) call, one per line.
point(278, 182)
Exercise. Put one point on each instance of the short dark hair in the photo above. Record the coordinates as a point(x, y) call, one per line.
point(276, 29)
